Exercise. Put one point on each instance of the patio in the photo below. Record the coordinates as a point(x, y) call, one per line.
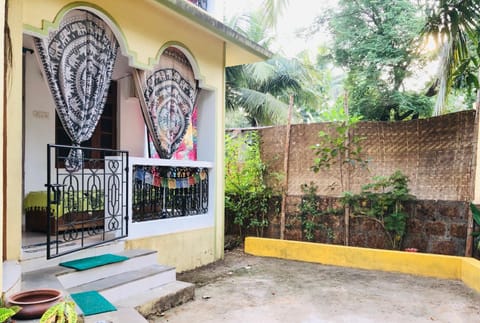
point(245, 288)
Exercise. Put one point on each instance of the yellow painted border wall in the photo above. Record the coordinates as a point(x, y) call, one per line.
point(422, 264)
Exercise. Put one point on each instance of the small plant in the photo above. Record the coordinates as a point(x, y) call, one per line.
point(340, 149)
point(62, 312)
point(383, 201)
point(310, 214)
point(6, 312)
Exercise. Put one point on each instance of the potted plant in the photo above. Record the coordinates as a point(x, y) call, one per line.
point(34, 302)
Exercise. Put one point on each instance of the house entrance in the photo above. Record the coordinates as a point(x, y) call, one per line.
point(86, 199)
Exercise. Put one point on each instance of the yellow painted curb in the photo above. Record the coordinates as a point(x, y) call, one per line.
point(422, 264)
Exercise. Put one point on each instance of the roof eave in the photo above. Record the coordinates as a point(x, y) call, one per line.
point(230, 36)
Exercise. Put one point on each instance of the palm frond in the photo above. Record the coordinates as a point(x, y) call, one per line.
point(259, 73)
point(272, 11)
point(452, 23)
point(265, 108)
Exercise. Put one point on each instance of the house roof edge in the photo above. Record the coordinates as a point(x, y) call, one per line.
point(207, 21)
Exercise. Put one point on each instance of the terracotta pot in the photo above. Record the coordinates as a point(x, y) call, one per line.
point(34, 302)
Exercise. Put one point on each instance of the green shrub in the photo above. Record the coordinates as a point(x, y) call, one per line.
point(247, 197)
point(311, 216)
point(384, 202)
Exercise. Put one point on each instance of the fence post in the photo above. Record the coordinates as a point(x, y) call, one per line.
point(285, 169)
point(347, 179)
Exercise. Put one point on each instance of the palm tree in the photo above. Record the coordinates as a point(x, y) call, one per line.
point(455, 24)
point(261, 91)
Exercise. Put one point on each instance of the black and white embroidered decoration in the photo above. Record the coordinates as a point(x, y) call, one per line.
point(78, 60)
point(169, 94)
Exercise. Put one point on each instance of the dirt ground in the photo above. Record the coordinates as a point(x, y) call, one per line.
point(244, 288)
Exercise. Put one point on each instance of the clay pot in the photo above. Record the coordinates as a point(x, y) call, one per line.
point(34, 302)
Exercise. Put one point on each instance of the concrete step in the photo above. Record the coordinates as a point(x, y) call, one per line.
point(156, 300)
point(123, 285)
point(12, 277)
point(34, 261)
point(137, 284)
point(121, 315)
point(138, 258)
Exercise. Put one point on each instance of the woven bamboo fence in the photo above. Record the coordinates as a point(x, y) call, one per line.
point(437, 155)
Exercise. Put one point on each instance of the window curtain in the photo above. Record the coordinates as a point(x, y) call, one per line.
point(167, 97)
point(78, 60)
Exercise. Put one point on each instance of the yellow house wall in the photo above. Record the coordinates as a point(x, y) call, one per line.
point(176, 249)
point(144, 29)
point(13, 153)
point(2, 21)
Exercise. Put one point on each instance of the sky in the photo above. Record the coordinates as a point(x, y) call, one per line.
point(299, 14)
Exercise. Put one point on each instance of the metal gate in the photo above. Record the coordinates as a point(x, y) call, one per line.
point(87, 198)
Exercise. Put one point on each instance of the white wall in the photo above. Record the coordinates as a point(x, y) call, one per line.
point(206, 126)
point(39, 125)
point(131, 125)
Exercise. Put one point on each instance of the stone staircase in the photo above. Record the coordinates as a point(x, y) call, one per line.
point(138, 287)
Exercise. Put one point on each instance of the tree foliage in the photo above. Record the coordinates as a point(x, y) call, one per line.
point(376, 41)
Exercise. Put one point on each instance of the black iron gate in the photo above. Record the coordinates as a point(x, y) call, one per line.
point(87, 198)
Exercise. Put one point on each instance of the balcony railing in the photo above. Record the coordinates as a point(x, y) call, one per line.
point(160, 192)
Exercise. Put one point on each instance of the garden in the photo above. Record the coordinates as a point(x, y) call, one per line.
point(400, 186)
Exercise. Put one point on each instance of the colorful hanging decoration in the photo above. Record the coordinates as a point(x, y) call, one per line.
point(168, 100)
point(188, 148)
point(151, 177)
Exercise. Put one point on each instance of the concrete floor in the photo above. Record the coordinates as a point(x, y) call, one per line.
point(244, 288)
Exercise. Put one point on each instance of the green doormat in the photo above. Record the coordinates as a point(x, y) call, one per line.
point(92, 262)
point(92, 302)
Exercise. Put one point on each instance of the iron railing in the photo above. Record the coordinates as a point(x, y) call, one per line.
point(87, 196)
point(161, 192)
